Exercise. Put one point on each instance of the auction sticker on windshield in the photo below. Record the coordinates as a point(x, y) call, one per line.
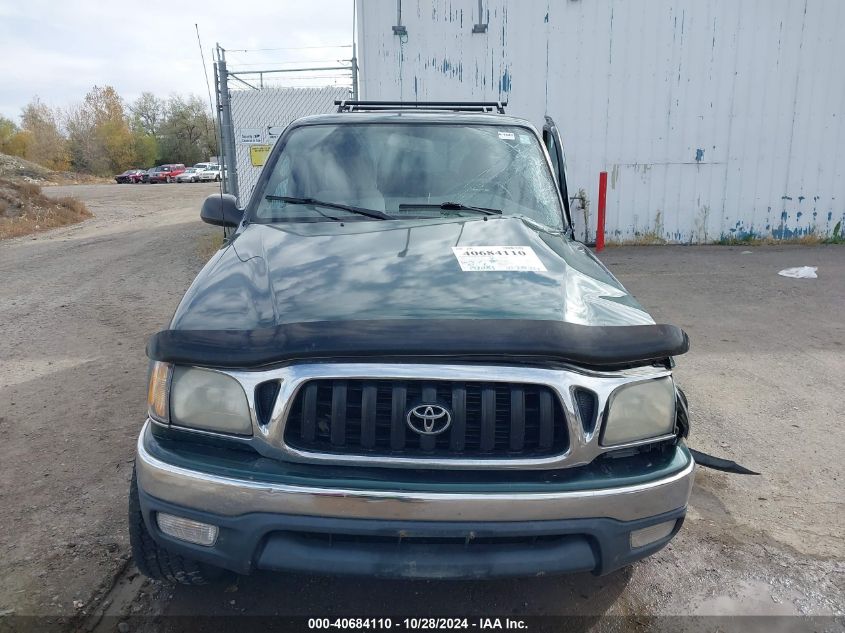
point(498, 258)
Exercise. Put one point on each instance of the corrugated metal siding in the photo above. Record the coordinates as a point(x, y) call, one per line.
point(714, 118)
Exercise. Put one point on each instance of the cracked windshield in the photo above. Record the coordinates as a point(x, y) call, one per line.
point(409, 171)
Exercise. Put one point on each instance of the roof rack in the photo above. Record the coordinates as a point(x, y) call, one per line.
point(454, 106)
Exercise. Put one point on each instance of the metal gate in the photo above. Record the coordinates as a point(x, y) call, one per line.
point(259, 116)
point(252, 115)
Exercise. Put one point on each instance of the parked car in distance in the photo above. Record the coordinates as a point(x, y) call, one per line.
point(145, 177)
point(166, 173)
point(189, 175)
point(403, 363)
point(152, 175)
point(211, 173)
point(202, 166)
point(139, 176)
point(129, 176)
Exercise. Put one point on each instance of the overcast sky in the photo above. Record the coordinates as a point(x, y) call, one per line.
point(59, 49)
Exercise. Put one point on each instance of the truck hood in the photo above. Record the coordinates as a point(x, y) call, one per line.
point(275, 274)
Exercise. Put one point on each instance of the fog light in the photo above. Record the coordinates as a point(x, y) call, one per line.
point(187, 530)
point(651, 534)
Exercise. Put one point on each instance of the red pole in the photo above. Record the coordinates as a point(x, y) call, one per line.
point(602, 210)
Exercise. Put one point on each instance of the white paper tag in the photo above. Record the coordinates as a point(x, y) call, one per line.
point(507, 136)
point(498, 258)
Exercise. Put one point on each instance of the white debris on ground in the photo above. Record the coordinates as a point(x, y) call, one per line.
point(800, 272)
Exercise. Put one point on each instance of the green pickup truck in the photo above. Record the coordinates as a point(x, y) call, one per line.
point(402, 363)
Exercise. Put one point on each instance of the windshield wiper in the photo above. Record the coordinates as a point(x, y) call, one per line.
point(453, 206)
point(370, 213)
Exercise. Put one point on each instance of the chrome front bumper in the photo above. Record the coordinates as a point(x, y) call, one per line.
point(226, 496)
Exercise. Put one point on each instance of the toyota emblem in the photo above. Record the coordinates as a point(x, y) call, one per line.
point(429, 419)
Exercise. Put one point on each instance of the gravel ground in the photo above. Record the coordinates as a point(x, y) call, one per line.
point(764, 378)
point(76, 307)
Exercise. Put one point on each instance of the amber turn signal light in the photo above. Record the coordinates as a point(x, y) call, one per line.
point(157, 391)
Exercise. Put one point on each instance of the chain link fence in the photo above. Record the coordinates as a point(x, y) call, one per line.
point(258, 118)
point(252, 116)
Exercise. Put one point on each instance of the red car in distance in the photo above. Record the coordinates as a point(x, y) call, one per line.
point(130, 176)
point(166, 173)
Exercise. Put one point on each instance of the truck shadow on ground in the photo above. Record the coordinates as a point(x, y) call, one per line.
point(271, 594)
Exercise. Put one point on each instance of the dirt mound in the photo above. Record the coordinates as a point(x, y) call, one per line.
point(24, 209)
point(15, 168)
point(20, 170)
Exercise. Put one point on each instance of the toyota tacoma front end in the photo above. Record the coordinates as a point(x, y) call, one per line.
point(402, 364)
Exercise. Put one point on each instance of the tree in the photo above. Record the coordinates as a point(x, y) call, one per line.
point(105, 136)
point(188, 133)
point(13, 140)
point(45, 145)
point(144, 148)
point(85, 154)
point(148, 113)
point(99, 135)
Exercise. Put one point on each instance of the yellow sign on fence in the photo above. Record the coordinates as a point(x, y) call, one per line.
point(258, 154)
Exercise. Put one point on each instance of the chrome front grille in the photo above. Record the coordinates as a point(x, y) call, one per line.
point(578, 400)
point(370, 417)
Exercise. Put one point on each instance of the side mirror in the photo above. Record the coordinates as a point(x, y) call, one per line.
point(221, 210)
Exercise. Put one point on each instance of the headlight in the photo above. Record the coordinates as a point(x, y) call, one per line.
point(640, 411)
point(208, 400)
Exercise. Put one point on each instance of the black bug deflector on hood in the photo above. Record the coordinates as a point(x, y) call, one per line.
point(459, 339)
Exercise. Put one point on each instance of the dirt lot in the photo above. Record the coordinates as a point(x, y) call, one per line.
point(76, 306)
point(764, 377)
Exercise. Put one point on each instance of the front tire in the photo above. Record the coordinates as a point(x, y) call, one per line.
point(156, 562)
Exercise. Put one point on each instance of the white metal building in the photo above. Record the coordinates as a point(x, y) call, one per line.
point(715, 119)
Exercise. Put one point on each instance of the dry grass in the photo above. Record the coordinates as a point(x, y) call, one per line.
point(209, 244)
point(25, 210)
point(810, 239)
point(649, 238)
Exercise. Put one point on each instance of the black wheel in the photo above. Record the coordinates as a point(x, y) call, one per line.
point(217, 178)
point(155, 561)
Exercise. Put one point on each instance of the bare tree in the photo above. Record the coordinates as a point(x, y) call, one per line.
point(188, 134)
point(148, 113)
point(45, 144)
